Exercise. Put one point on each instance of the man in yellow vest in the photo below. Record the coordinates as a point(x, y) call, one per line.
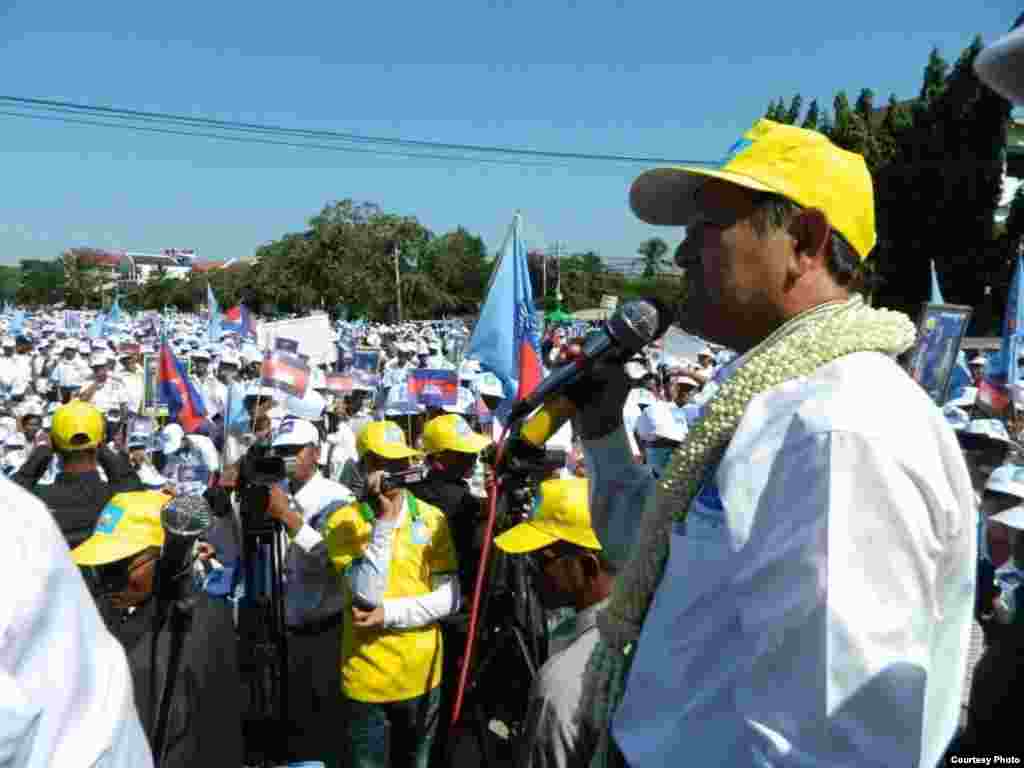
point(399, 572)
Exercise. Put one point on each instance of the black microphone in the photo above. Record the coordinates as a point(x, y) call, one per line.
point(184, 519)
point(632, 326)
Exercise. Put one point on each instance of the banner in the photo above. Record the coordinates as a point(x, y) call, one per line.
point(433, 387)
point(941, 330)
point(151, 398)
point(286, 373)
point(366, 360)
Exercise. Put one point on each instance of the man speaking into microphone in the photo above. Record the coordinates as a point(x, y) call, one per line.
point(796, 588)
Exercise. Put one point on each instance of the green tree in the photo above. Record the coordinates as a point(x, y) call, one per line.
point(81, 279)
point(42, 282)
point(795, 107)
point(1015, 219)
point(811, 119)
point(652, 256)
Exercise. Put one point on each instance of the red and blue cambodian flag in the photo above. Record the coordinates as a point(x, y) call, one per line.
point(184, 404)
point(434, 387)
point(239, 320)
point(506, 337)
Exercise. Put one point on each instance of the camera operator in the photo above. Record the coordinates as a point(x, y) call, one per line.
point(568, 570)
point(399, 562)
point(314, 603)
point(205, 721)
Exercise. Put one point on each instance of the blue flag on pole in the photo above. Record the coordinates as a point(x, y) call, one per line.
point(1001, 372)
point(936, 297)
point(114, 315)
point(505, 339)
point(98, 327)
point(213, 325)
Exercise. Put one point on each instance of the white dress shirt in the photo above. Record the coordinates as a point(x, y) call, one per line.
point(816, 605)
point(65, 689)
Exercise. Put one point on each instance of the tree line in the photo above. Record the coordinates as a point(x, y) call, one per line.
point(345, 262)
point(937, 163)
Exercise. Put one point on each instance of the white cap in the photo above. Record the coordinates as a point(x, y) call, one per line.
point(296, 432)
point(684, 379)
point(957, 417)
point(1008, 479)
point(309, 407)
point(1012, 518)
point(658, 423)
point(230, 357)
point(7, 341)
point(993, 429)
point(200, 354)
point(172, 436)
point(1001, 66)
point(99, 359)
point(31, 408)
point(489, 384)
point(84, 348)
point(978, 359)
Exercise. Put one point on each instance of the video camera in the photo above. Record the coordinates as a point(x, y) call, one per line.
point(524, 466)
point(390, 481)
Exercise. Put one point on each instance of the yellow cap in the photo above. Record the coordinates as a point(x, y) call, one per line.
point(452, 433)
point(76, 426)
point(385, 439)
point(128, 524)
point(561, 513)
point(801, 165)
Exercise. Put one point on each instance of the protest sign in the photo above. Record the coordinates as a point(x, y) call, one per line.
point(434, 387)
point(940, 332)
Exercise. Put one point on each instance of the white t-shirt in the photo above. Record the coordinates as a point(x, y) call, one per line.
point(817, 602)
point(65, 689)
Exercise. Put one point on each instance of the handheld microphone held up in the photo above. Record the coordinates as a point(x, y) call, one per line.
point(634, 325)
point(184, 519)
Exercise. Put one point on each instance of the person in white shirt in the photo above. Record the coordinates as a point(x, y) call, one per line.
point(190, 461)
point(313, 598)
point(66, 696)
point(133, 379)
point(798, 589)
point(103, 390)
point(210, 389)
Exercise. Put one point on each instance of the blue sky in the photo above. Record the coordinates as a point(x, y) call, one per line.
point(662, 79)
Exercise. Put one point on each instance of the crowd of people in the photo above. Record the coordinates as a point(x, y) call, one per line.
point(781, 552)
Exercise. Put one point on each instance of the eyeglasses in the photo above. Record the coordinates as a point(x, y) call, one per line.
point(114, 577)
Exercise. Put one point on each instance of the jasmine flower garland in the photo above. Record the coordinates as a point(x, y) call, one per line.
point(797, 349)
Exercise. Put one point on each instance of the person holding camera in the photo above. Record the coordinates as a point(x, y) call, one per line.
point(314, 603)
point(398, 561)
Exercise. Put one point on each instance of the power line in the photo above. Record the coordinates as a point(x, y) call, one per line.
point(234, 125)
point(273, 142)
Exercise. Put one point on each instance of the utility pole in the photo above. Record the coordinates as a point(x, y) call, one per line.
point(398, 283)
point(558, 266)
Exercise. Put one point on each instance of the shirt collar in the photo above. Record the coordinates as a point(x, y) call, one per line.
point(587, 618)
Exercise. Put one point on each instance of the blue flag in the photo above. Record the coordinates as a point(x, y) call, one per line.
point(17, 323)
point(936, 297)
point(213, 326)
point(114, 315)
point(1001, 372)
point(505, 339)
point(98, 327)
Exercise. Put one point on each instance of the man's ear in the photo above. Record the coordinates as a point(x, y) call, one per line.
point(811, 231)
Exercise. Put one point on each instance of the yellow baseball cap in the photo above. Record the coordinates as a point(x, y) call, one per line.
point(385, 439)
point(76, 426)
point(128, 524)
point(452, 433)
point(799, 164)
point(561, 513)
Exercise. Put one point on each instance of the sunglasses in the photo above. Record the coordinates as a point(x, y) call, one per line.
point(114, 578)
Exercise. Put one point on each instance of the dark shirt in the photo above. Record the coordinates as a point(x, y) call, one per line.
point(450, 493)
point(205, 719)
point(76, 499)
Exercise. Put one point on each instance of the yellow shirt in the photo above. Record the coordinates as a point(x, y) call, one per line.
point(381, 665)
